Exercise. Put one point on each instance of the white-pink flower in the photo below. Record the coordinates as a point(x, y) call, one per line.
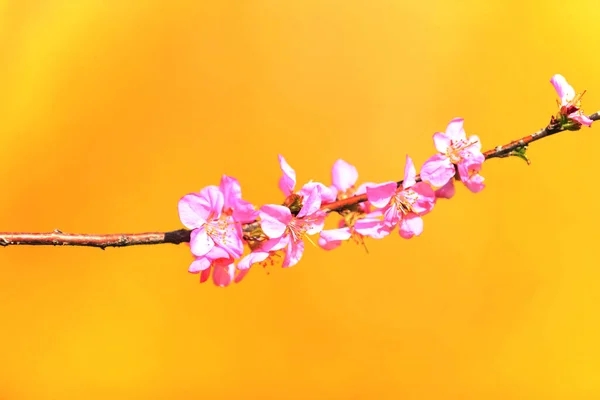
point(287, 184)
point(217, 261)
point(203, 213)
point(355, 223)
point(570, 102)
point(404, 205)
point(287, 232)
point(455, 149)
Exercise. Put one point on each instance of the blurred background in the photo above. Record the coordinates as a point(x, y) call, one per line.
point(110, 111)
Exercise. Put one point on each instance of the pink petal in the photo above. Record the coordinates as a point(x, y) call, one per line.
point(332, 238)
point(475, 183)
point(212, 199)
point(287, 182)
point(410, 173)
point(381, 194)
point(274, 219)
point(204, 275)
point(312, 203)
point(391, 216)
point(438, 170)
point(192, 211)
point(455, 130)
point(200, 242)
point(373, 228)
point(314, 223)
point(343, 175)
point(582, 119)
point(327, 194)
point(252, 258)
point(447, 191)
point(475, 147)
point(563, 89)
point(223, 274)
point(241, 275)
point(230, 240)
point(199, 264)
point(411, 225)
point(293, 253)
point(441, 142)
point(426, 199)
point(244, 212)
point(232, 191)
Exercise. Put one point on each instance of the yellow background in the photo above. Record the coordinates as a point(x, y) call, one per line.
point(110, 111)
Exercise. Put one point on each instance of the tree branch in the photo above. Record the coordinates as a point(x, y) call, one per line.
point(58, 238)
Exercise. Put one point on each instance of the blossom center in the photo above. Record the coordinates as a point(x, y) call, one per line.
point(297, 229)
point(456, 148)
point(404, 200)
point(217, 229)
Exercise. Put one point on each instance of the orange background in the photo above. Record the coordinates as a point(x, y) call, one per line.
point(110, 111)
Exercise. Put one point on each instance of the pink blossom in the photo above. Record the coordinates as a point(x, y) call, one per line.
point(404, 205)
point(286, 231)
point(570, 102)
point(241, 210)
point(355, 223)
point(203, 213)
point(287, 184)
point(455, 149)
point(217, 261)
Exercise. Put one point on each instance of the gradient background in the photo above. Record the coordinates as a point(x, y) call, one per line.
point(110, 111)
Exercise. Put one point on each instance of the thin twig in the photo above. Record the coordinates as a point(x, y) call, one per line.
point(58, 238)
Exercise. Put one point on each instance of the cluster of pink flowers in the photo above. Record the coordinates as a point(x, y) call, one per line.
point(229, 235)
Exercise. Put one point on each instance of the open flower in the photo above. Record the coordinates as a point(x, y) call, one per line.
point(287, 184)
point(404, 205)
point(356, 221)
point(286, 232)
point(217, 261)
point(203, 213)
point(455, 149)
point(570, 102)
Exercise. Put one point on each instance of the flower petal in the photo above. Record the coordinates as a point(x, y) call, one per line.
point(343, 175)
point(241, 274)
point(232, 191)
point(425, 200)
point(212, 199)
point(223, 274)
point(193, 212)
point(447, 191)
point(332, 238)
point(199, 264)
point(204, 275)
point(374, 228)
point(410, 173)
point(252, 258)
point(287, 182)
point(455, 130)
point(327, 194)
point(563, 89)
point(438, 170)
point(441, 142)
point(230, 240)
point(200, 242)
point(274, 219)
point(411, 225)
point(381, 194)
point(312, 203)
point(293, 253)
point(582, 119)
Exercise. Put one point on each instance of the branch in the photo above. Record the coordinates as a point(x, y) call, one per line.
point(58, 238)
